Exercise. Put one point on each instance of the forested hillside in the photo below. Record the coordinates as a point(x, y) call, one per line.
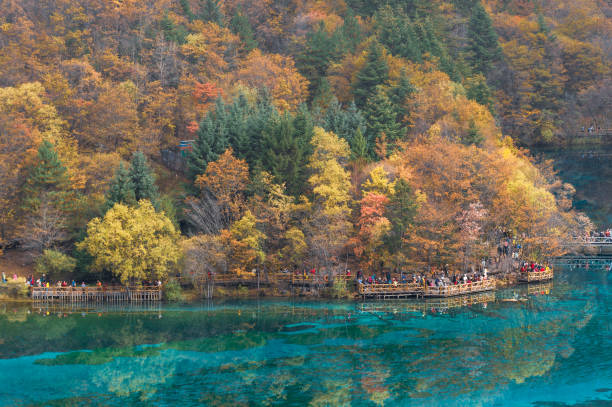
point(371, 133)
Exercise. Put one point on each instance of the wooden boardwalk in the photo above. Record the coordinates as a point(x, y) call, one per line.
point(97, 294)
point(531, 276)
point(595, 245)
point(603, 262)
point(405, 290)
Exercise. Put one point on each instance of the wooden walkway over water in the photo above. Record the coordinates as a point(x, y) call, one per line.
point(593, 245)
point(97, 294)
point(533, 276)
point(405, 290)
point(584, 262)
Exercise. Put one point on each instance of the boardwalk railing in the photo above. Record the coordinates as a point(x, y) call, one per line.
point(290, 278)
point(460, 289)
point(589, 241)
point(390, 290)
point(414, 289)
point(97, 294)
point(530, 276)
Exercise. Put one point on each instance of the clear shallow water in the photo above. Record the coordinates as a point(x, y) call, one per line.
point(554, 349)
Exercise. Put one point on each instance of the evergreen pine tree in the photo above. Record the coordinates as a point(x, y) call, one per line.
point(395, 31)
point(286, 148)
point(210, 11)
point(236, 124)
point(344, 123)
point(171, 31)
point(375, 72)
point(264, 113)
point(351, 31)
point(241, 26)
point(483, 46)
point(143, 179)
point(398, 95)
point(121, 189)
point(401, 211)
point(380, 115)
point(324, 96)
point(47, 181)
point(360, 150)
point(212, 140)
point(473, 135)
point(320, 49)
point(478, 91)
point(187, 9)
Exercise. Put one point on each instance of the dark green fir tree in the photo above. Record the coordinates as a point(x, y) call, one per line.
point(483, 46)
point(380, 115)
point(241, 26)
point(143, 179)
point(210, 11)
point(375, 72)
point(47, 181)
point(121, 189)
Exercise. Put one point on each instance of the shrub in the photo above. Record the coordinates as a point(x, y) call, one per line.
point(173, 291)
point(53, 262)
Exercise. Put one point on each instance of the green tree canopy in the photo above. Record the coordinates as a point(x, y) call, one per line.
point(483, 46)
point(375, 72)
point(143, 179)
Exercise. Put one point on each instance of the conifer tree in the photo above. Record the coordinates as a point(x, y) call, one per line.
point(398, 95)
point(187, 9)
point(47, 181)
point(473, 135)
point(320, 49)
point(287, 146)
point(483, 46)
point(401, 211)
point(478, 90)
point(360, 150)
point(380, 115)
point(121, 189)
point(395, 31)
point(47, 200)
point(343, 123)
point(324, 96)
point(210, 11)
point(143, 179)
point(241, 26)
point(375, 72)
point(211, 141)
point(351, 31)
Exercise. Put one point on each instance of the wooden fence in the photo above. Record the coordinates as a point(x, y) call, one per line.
point(97, 294)
point(460, 289)
point(529, 276)
point(404, 290)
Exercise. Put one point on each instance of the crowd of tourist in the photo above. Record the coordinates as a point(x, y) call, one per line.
point(443, 278)
point(605, 234)
point(534, 267)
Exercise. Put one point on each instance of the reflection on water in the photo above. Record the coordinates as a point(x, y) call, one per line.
point(529, 344)
point(589, 169)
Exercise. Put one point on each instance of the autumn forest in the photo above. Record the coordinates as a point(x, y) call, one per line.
point(381, 135)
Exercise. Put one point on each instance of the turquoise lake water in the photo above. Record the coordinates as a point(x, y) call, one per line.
point(552, 349)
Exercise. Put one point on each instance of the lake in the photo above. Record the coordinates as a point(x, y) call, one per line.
point(552, 347)
point(589, 170)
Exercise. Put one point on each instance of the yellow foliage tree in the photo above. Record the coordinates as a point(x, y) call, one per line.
point(134, 243)
point(330, 182)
